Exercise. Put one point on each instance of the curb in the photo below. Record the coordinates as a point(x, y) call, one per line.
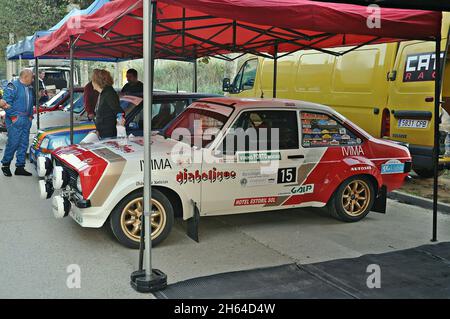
point(418, 201)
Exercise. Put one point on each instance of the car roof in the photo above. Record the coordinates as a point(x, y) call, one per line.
point(249, 103)
point(187, 95)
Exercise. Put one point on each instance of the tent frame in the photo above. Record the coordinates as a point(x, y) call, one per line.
point(148, 279)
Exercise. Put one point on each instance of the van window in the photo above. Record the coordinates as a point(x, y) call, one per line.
point(321, 130)
point(245, 79)
point(264, 130)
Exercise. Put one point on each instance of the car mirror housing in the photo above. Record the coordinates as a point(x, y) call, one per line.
point(226, 85)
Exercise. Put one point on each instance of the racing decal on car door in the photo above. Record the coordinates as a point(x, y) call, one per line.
point(299, 188)
point(111, 176)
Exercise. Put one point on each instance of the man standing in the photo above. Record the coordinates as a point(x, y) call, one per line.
point(42, 88)
point(19, 116)
point(90, 98)
point(134, 86)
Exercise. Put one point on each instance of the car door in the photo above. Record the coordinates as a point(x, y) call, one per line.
point(254, 162)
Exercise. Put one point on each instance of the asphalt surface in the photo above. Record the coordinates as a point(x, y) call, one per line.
point(36, 249)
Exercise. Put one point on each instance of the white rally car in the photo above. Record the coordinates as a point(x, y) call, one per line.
point(227, 156)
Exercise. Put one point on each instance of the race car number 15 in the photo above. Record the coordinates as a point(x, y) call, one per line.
point(287, 175)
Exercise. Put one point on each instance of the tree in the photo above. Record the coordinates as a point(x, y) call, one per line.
point(24, 17)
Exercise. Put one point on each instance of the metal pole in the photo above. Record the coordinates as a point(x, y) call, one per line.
point(36, 88)
point(436, 150)
point(275, 68)
point(71, 88)
point(149, 279)
point(148, 102)
point(195, 84)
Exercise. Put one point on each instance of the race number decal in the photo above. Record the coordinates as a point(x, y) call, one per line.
point(287, 175)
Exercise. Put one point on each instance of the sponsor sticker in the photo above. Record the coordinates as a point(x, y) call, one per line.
point(212, 176)
point(393, 167)
point(255, 201)
point(123, 148)
point(256, 157)
point(256, 178)
point(157, 164)
point(304, 189)
point(352, 151)
point(361, 168)
point(420, 67)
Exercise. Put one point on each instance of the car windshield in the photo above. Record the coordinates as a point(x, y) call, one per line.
point(198, 122)
point(78, 103)
point(56, 99)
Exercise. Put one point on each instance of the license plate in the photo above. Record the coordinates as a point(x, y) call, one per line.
point(412, 123)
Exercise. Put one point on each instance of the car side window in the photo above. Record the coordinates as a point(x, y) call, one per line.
point(162, 113)
point(321, 130)
point(245, 79)
point(263, 131)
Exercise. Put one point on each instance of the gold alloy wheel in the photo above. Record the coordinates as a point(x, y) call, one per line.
point(356, 198)
point(130, 220)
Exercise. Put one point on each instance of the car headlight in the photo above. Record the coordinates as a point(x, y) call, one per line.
point(44, 166)
point(79, 187)
point(60, 178)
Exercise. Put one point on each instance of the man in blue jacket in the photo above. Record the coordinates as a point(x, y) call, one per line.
point(19, 96)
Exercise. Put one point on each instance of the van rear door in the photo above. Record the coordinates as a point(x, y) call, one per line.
point(411, 93)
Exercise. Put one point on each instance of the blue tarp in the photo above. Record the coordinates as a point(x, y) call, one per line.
point(25, 49)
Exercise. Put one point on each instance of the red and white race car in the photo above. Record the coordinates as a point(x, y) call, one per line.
point(227, 156)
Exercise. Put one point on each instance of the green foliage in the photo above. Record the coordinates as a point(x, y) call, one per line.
point(24, 17)
point(171, 75)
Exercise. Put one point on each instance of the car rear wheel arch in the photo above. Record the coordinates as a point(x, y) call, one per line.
point(332, 206)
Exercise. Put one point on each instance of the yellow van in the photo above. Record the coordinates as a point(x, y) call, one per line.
point(387, 89)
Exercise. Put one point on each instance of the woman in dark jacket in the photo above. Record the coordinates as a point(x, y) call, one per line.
point(108, 105)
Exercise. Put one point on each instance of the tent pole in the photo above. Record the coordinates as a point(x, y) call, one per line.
point(36, 88)
point(437, 107)
point(275, 70)
point(71, 84)
point(148, 279)
point(195, 76)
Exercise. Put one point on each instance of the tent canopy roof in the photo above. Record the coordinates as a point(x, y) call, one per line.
point(187, 29)
point(25, 48)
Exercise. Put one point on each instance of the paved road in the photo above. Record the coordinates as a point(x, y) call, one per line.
point(36, 249)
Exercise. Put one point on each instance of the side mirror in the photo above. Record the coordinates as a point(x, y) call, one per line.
point(226, 85)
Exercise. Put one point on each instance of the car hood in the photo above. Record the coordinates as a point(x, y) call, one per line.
point(50, 120)
point(80, 157)
point(65, 130)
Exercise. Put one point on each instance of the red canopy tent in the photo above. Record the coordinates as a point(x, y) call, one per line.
point(188, 29)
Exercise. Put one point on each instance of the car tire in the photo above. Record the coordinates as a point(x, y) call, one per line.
point(426, 172)
point(125, 219)
point(353, 200)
